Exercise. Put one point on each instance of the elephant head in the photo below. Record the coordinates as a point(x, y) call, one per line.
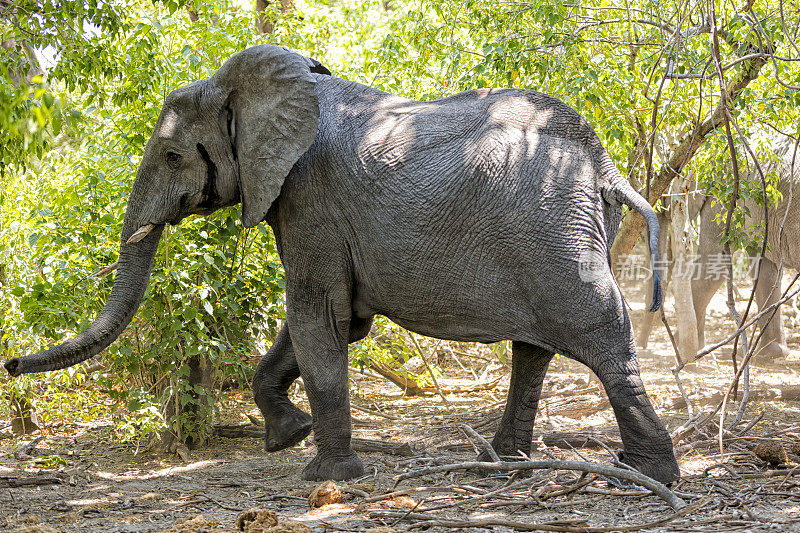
point(231, 138)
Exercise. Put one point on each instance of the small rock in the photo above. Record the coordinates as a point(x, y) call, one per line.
point(772, 452)
point(381, 529)
point(325, 494)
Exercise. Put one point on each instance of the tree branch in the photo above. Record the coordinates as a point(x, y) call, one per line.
point(633, 224)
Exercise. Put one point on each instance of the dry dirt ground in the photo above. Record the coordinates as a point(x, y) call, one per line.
point(102, 485)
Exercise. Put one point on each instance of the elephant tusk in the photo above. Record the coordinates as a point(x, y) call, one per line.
point(140, 233)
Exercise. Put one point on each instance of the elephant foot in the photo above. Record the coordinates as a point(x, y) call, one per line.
point(324, 468)
point(664, 469)
point(774, 352)
point(293, 426)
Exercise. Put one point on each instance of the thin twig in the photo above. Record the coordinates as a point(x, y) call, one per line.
point(430, 370)
point(679, 361)
point(373, 412)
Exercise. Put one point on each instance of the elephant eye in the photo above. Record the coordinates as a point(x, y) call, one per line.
point(173, 159)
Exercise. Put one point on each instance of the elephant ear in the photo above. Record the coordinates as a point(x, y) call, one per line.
point(274, 120)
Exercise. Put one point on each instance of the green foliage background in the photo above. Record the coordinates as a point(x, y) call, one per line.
point(70, 145)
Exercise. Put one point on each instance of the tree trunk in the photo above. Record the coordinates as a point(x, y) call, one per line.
point(683, 271)
point(23, 418)
point(633, 224)
point(28, 62)
point(264, 24)
point(189, 407)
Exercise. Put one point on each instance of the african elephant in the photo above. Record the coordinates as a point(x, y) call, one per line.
point(783, 250)
point(484, 216)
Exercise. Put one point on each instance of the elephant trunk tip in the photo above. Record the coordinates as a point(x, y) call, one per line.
point(12, 367)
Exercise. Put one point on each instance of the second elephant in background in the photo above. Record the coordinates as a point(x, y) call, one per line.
point(783, 251)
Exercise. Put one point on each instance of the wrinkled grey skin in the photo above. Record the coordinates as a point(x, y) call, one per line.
point(469, 218)
point(783, 251)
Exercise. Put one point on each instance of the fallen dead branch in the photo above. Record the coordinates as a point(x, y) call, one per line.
point(576, 526)
point(239, 431)
point(412, 388)
point(659, 489)
point(474, 388)
point(403, 449)
point(405, 492)
point(15, 482)
point(28, 451)
point(548, 492)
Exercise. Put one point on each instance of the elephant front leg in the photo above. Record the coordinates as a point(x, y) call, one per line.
point(320, 339)
point(285, 424)
point(528, 368)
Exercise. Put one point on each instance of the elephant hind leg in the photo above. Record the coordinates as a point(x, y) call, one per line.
point(605, 345)
point(704, 287)
point(648, 446)
point(772, 346)
point(528, 367)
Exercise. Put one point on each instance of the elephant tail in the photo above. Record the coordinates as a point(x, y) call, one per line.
point(627, 195)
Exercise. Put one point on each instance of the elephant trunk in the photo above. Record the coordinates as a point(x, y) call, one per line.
point(130, 283)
